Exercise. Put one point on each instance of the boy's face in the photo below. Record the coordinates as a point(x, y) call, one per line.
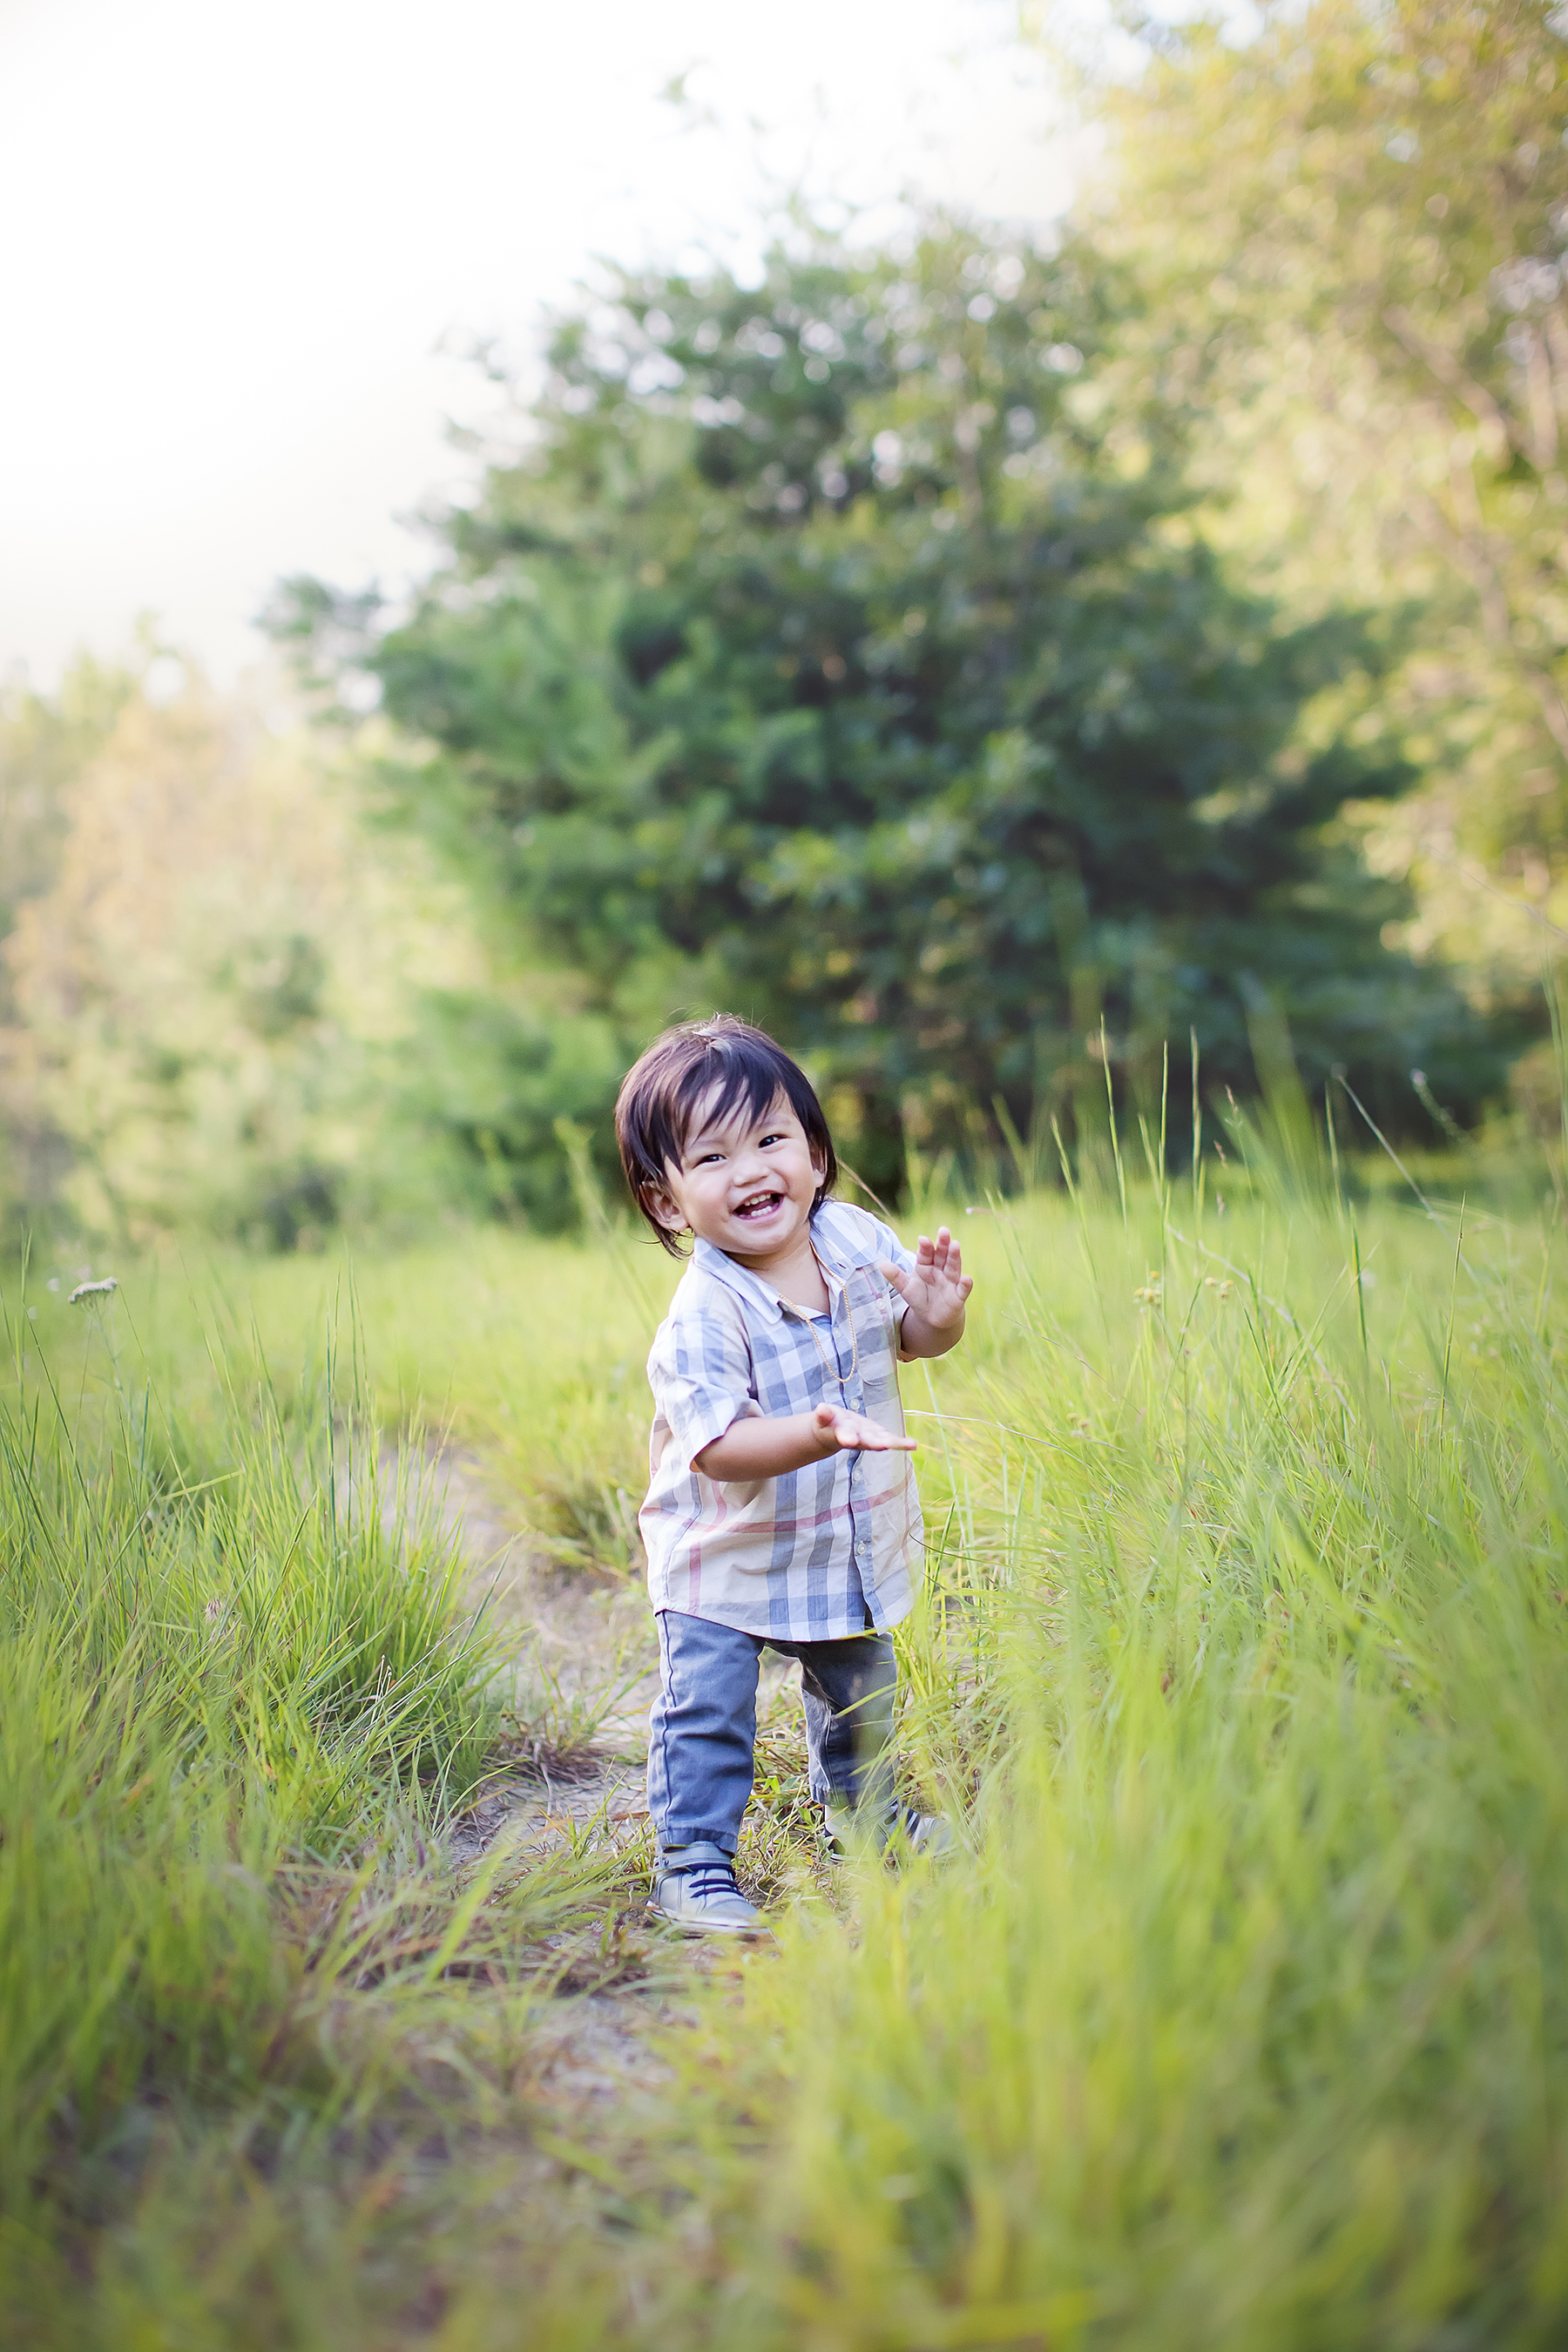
point(745, 1184)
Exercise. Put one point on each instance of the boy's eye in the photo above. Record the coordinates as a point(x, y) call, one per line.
point(772, 1139)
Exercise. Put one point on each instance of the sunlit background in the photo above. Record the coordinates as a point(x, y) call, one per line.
point(246, 249)
point(1007, 544)
point(1024, 549)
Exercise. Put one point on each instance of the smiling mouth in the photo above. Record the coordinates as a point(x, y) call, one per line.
point(759, 1204)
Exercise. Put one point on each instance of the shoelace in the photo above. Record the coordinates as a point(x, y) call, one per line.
point(707, 1879)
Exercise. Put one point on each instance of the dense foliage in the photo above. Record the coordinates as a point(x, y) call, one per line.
point(839, 649)
point(973, 661)
point(207, 1003)
point(1353, 231)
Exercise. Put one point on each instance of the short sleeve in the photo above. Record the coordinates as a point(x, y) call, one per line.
point(700, 1374)
point(890, 1251)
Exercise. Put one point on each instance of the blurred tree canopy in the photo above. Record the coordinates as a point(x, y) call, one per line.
point(844, 649)
point(210, 984)
point(45, 741)
point(974, 661)
point(1351, 232)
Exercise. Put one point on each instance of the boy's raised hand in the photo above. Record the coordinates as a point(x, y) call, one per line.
point(852, 1434)
point(937, 1288)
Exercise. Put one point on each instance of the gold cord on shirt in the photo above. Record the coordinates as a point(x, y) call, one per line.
point(832, 1370)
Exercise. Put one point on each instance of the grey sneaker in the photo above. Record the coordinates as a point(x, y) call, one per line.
point(694, 1889)
point(898, 1829)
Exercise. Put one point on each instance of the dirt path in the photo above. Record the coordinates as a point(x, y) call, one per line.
point(581, 1641)
point(588, 1638)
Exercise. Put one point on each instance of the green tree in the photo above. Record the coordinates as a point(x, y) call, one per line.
point(45, 741)
point(1352, 231)
point(213, 1002)
point(839, 649)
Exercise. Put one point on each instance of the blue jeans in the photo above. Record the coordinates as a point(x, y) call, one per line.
point(704, 1724)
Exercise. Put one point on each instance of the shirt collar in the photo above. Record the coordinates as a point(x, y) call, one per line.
point(833, 1255)
point(761, 1295)
point(746, 1285)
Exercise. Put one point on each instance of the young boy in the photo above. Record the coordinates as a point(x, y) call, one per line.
point(782, 1511)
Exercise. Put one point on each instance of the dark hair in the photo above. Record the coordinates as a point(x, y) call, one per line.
point(719, 1066)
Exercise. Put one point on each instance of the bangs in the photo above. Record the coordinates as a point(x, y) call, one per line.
point(709, 1071)
point(734, 1076)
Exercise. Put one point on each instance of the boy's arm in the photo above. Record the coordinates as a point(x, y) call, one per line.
point(935, 1295)
point(764, 1448)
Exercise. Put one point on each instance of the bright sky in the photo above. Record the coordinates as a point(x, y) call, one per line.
point(237, 236)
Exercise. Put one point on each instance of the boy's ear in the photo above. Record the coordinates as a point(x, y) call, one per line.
point(663, 1208)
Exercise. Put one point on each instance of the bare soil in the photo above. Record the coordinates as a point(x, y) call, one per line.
point(581, 1642)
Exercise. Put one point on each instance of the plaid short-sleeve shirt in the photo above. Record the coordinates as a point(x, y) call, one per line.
point(817, 1553)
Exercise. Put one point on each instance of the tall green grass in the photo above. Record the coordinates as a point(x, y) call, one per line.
point(1240, 2020)
point(1243, 2021)
point(528, 1354)
point(236, 1677)
point(1237, 2019)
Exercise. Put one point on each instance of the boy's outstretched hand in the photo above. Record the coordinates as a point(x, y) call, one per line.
point(852, 1434)
point(765, 1447)
point(935, 1293)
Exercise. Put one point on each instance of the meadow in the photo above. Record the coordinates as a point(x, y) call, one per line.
point(1238, 2019)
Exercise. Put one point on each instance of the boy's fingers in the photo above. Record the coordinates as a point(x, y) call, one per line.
point(867, 1436)
point(916, 1289)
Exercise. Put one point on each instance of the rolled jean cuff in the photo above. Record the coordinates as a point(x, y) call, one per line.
point(670, 1834)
